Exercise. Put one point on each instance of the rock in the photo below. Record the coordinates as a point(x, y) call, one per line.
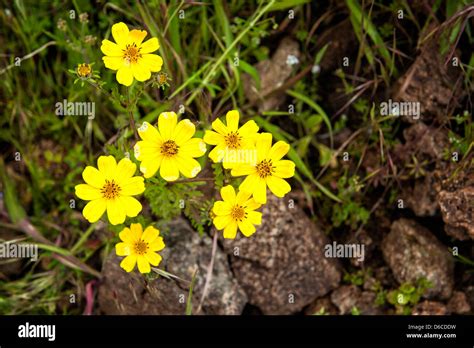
point(458, 303)
point(429, 308)
point(273, 74)
point(349, 297)
point(431, 83)
point(131, 293)
point(456, 201)
point(321, 306)
point(412, 252)
point(282, 267)
point(421, 196)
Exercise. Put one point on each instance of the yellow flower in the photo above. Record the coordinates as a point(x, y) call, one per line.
point(139, 247)
point(170, 148)
point(111, 188)
point(84, 70)
point(236, 212)
point(269, 170)
point(234, 145)
point(130, 56)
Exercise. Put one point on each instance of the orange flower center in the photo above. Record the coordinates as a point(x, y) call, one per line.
point(110, 190)
point(140, 247)
point(84, 70)
point(232, 140)
point(264, 168)
point(238, 213)
point(169, 148)
point(131, 53)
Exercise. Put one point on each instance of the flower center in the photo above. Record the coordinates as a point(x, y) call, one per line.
point(84, 70)
point(140, 247)
point(131, 53)
point(238, 213)
point(232, 140)
point(169, 148)
point(264, 168)
point(110, 190)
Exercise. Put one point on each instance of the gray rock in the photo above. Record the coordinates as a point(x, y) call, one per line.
point(131, 293)
point(412, 252)
point(282, 267)
point(348, 297)
point(429, 308)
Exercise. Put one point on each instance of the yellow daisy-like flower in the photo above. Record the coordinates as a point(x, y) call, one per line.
point(234, 145)
point(139, 247)
point(111, 188)
point(130, 56)
point(236, 212)
point(84, 70)
point(171, 148)
point(269, 170)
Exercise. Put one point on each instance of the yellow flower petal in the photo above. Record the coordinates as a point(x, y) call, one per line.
point(128, 263)
point(260, 192)
point(136, 36)
point(113, 63)
point(150, 135)
point(131, 205)
point(242, 197)
point(150, 234)
point(228, 194)
point(184, 131)
point(157, 244)
point(194, 147)
point(125, 170)
point(153, 258)
point(263, 145)
point(127, 236)
point(120, 34)
point(140, 72)
point(122, 249)
point(243, 169)
point(132, 186)
point(107, 166)
point(146, 150)
point(125, 75)
point(93, 177)
point(220, 222)
point(252, 204)
point(284, 169)
point(213, 138)
point(188, 166)
point(249, 183)
point(94, 210)
point(150, 46)
point(166, 124)
point(143, 264)
point(115, 211)
point(150, 166)
point(278, 150)
point(249, 129)
point(278, 186)
point(232, 120)
point(217, 154)
point(87, 192)
point(219, 127)
point(152, 61)
point(111, 49)
point(255, 217)
point(246, 227)
point(169, 170)
point(222, 208)
point(230, 231)
point(136, 231)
